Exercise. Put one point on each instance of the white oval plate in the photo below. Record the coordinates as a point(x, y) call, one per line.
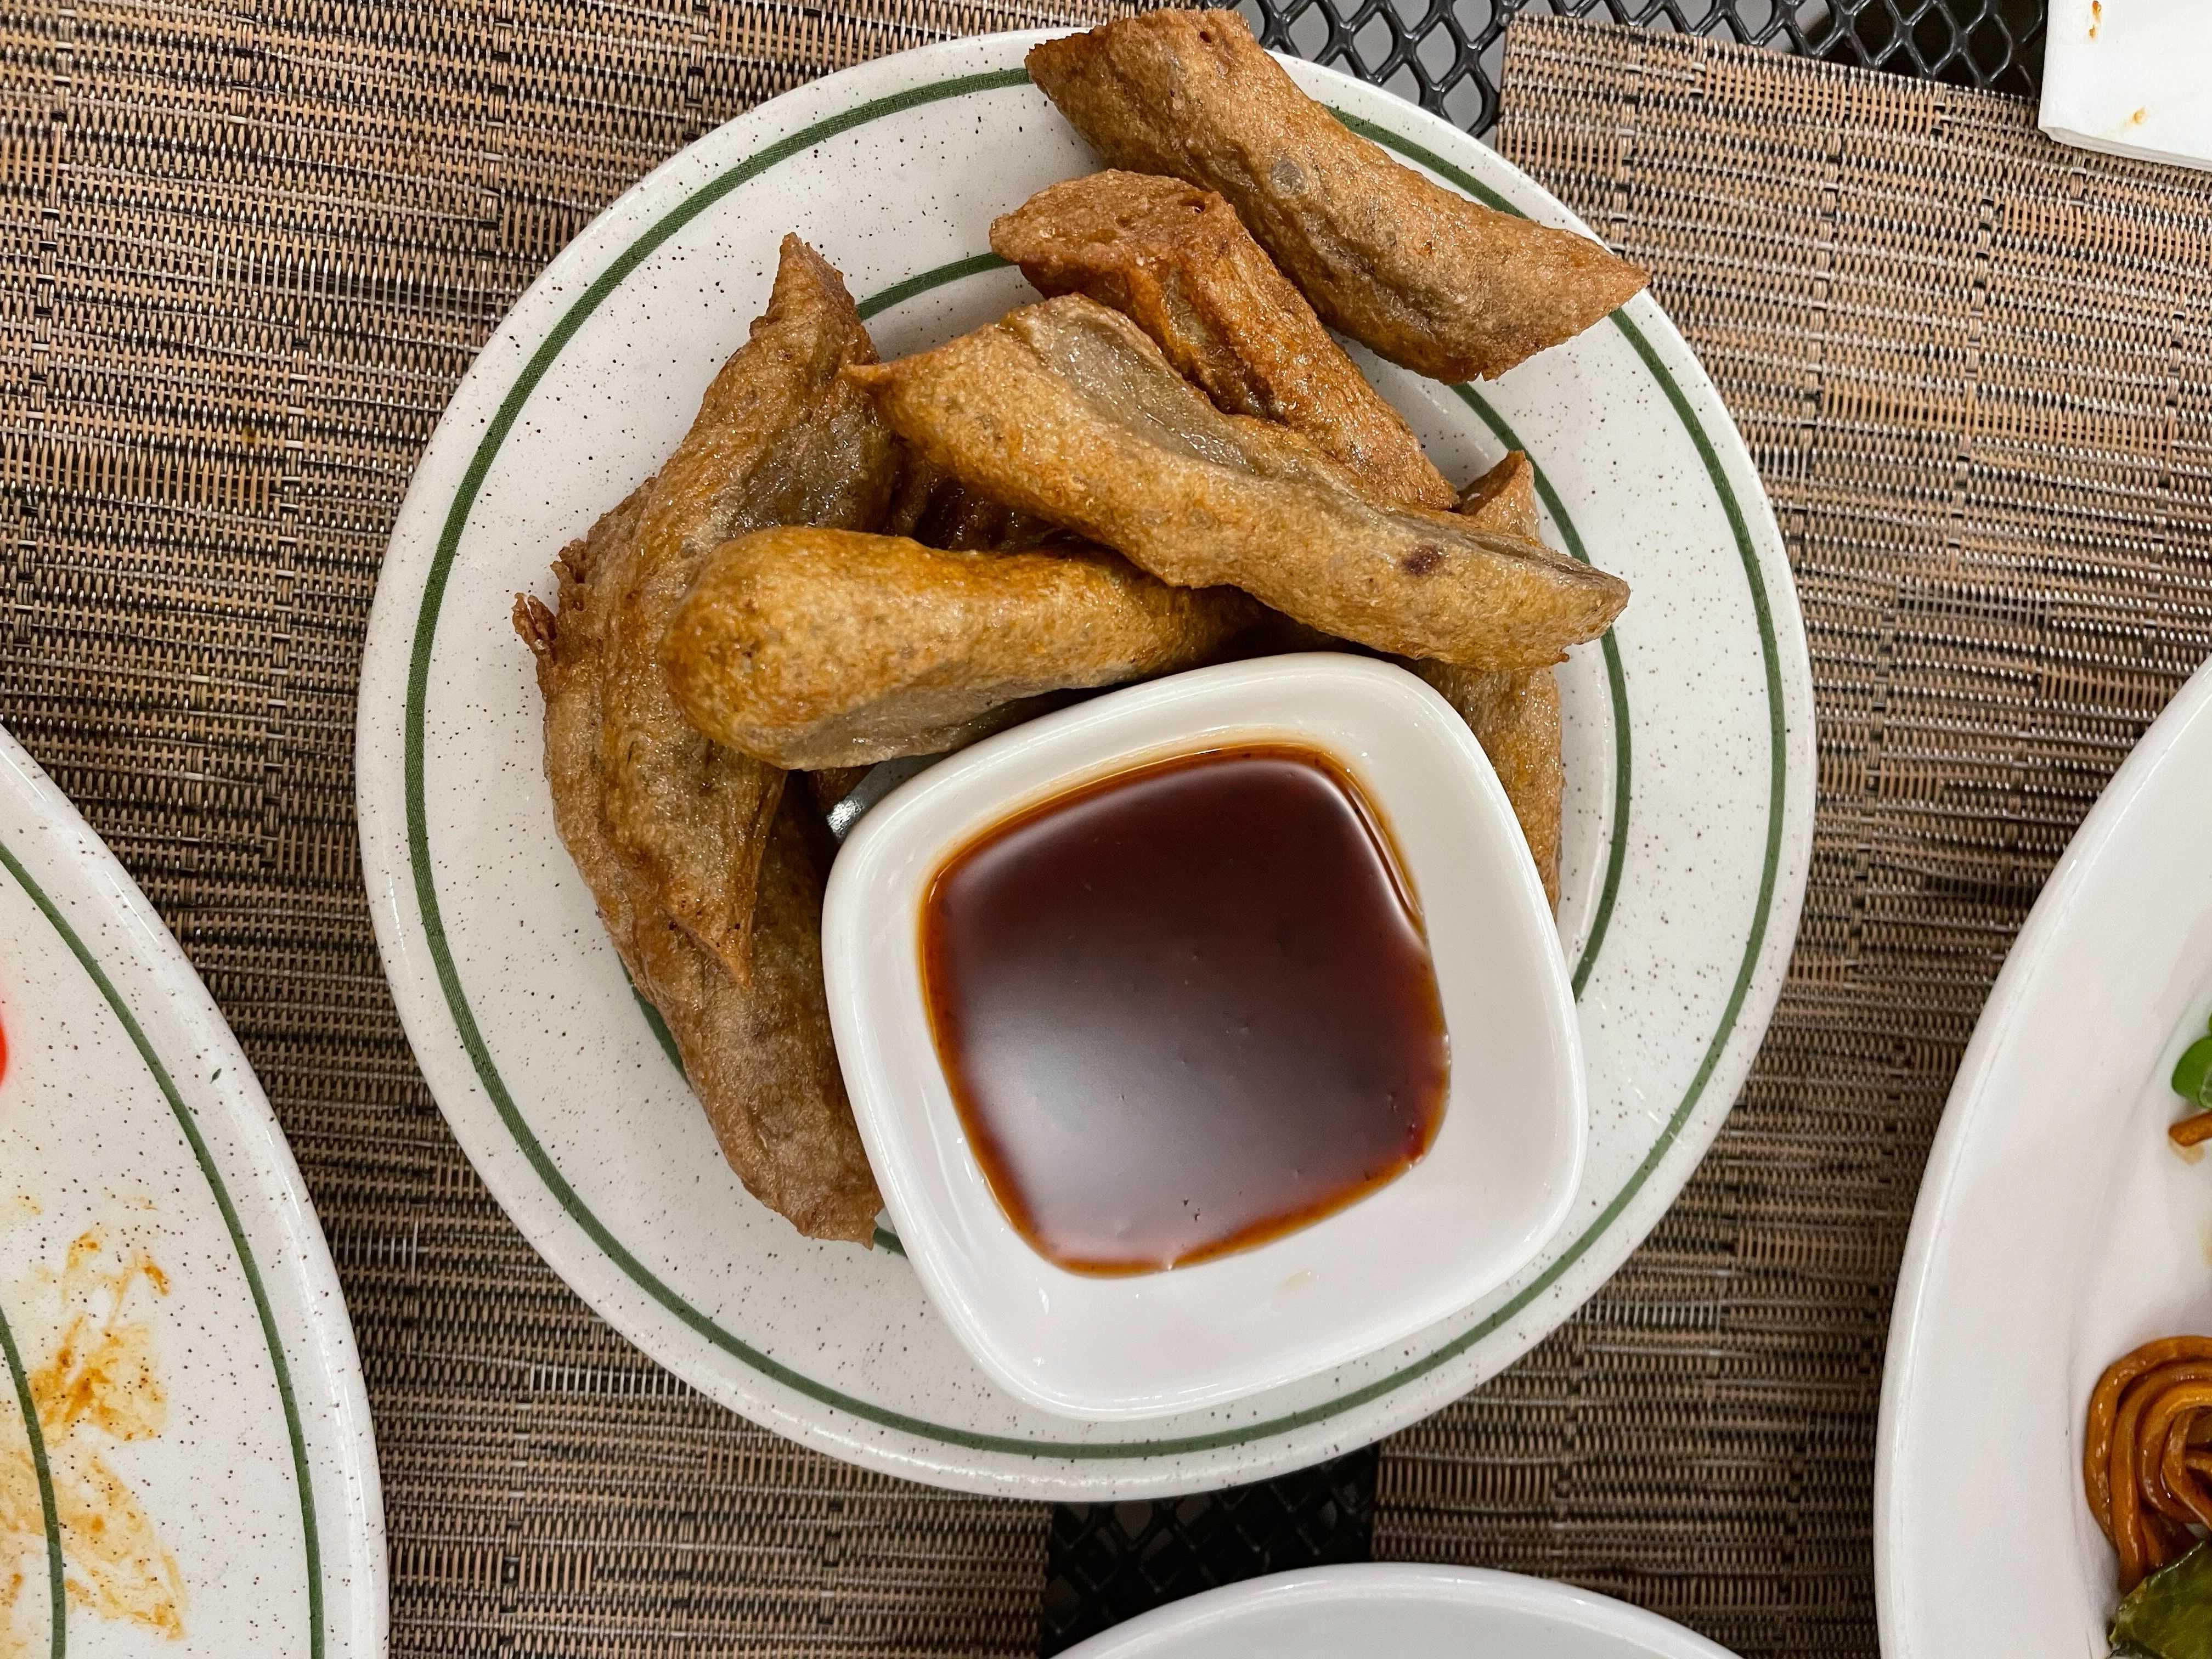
point(1689, 752)
point(1407, 1612)
point(136, 1143)
point(2056, 1228)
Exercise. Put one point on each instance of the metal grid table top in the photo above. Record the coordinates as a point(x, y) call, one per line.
point(1445, 54)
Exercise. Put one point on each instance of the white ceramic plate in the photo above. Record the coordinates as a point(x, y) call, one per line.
point(2055, 1229)
point(202, 1459)
point(1689, 752)
point(1407, 1612)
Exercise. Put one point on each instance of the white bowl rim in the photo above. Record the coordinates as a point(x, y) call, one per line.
point(1979, 1133)
point(1393, 733)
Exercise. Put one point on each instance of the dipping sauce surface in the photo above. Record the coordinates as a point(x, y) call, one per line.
point(1186, 1009)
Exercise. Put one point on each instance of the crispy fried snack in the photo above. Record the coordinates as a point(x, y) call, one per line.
point(1067, 410)
point(779, 439)
point(711, 894)
point(936, 509)
point(823, 647)
point(1516, 717)
point(760, 1054)
point(571, 656)
point(1175, 260)
point(1505, 499)
point(1426, 277)
point(757, 1051)
point(1514, 713)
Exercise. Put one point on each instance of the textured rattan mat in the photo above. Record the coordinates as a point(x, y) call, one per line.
point(1975, 370)
point(247, 252)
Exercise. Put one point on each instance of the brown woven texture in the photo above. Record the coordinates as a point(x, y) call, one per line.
point(1975, 370)
point(245, 254)
point(249, 252)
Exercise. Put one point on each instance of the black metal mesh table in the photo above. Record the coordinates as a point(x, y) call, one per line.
point(1111, 1561)
point(1445, 55)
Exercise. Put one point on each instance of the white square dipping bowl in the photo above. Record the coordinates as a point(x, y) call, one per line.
point(1494, 1183)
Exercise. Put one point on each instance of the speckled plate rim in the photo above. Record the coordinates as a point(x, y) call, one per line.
point(433, 1005)
point(68, 875)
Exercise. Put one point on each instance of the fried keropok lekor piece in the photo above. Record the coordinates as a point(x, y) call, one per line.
point(1504, 498)
point(1175, 259)
point(710, 889)
point(759, 1053)
point(779, 439)
point(824, 648)
point(1068, 411)
point(938, 510)
point(1514, 713)
point(1422, 275)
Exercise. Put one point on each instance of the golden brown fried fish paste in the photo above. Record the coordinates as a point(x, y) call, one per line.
point(1505, 499)
point(757, 1052)
point(936, 509)
point(1516, 717)
point(728, 952)
point(1426, 277)
point(1175, 260)
point(779, 439)
point(571, 672)
point(1514, 713)
point(1068, 411)
point(760, 1054)
point(824, 647)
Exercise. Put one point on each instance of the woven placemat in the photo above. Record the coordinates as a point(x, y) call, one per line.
point(1975, 370)
point(249, 252)
point(245, 254)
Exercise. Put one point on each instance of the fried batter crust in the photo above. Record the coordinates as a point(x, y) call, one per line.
point(1514, 713)
point(1175, 259)
point(779, 439)
point(1442, 284)
point(936, 509)
point(824, 648)
point(753, 1033)
point(1505, 499)
point(1067, 409)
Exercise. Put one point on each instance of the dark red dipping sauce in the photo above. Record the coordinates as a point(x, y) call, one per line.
point(1187, 1009)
